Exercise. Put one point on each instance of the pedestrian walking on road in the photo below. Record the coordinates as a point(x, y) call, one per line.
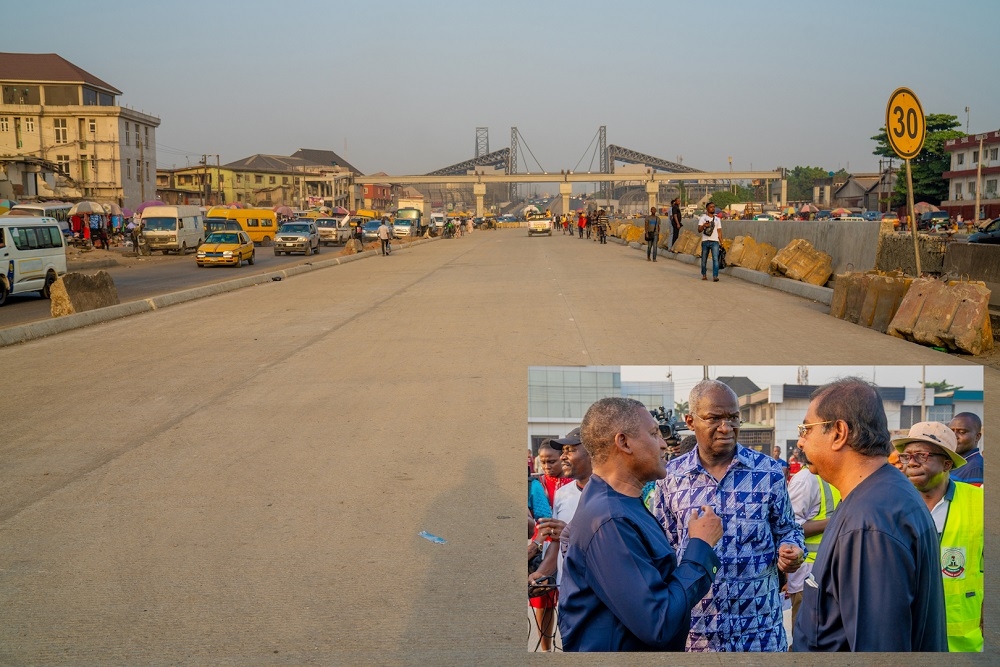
point(383, 237)
point(675, 220)
point(652, 234)
point(582, 223)
point(710, 227)
point(602, 226)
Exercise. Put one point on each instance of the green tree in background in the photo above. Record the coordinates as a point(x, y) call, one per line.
point(723, 198)
point(680, 409)
point(928, 185)
point(943, 386)
point(802, 179)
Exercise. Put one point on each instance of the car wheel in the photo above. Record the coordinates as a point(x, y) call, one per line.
point(239, 261)
point(252, 259)
point(317, 248)
point(46, 290)
point(308, 251)
point(266, 241)
point(165, 252)
point(200, 265)
point(3, 292)
point(184, 249)
point(277, 253)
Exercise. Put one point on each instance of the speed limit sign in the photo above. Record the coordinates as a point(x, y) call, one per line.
point(905, 124)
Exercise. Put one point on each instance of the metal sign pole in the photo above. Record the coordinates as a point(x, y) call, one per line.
point(913, 215)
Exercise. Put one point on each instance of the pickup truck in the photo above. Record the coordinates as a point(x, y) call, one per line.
point(334, 231)
point(539, 223)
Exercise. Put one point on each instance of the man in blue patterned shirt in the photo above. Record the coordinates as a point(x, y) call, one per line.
point(742, 611)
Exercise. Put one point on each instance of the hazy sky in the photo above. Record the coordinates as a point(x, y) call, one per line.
point(967, 376)
point(403, 85)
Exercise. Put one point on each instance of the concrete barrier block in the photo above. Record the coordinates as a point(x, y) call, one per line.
point(78, 293)
point(848, 295)
point(767, 253)
point(688, 243)
point(882, 297)
point(734, 255)
point(951, 315)
point(800, 261)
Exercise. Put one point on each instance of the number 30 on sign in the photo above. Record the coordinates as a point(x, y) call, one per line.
point(905, 124)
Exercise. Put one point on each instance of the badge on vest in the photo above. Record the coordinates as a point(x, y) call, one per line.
point(953, 562)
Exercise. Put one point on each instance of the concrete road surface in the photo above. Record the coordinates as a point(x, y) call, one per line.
point(241, 479)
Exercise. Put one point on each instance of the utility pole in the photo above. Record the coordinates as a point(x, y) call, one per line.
point(142, 162)
point(979, 180)
point(204, 179)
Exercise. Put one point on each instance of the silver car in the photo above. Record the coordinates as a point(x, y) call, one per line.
point(297, 236)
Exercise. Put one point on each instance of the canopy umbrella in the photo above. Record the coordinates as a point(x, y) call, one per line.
point(112, 209)
point(840, 212)
point(808, 208)
point(87, 207)
point(146, 204)
point(7, 204)
point(127, 213)
point(789, 210)
point(340, 210)
point(284, 210)
point(924, 207)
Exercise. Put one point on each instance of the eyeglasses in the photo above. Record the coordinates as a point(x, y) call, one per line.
point(734, 421)
point(919, 458)
point(804, 428)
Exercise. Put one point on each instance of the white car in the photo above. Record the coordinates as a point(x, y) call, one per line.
point(539, 224)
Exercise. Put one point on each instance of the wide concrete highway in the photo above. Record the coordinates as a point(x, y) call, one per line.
point(145, 277)
point(241, 479)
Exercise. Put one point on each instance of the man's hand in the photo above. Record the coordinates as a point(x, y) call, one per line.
point(551, 528)
point(790, 558)
point(705, 525)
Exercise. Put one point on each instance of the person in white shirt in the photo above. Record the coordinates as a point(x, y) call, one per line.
point(383, 236)
point(710, 226)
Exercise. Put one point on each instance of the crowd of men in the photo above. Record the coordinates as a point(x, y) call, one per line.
point(636, 545)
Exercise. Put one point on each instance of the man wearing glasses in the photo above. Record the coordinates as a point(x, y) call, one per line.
point(929, 453)
point(742, 611)
point(876, 583)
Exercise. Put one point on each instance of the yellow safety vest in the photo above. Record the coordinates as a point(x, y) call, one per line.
point(829, 498)
point(962, 568)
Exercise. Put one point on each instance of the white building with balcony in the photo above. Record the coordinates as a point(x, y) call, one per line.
point(966, 176)
point(63, 134)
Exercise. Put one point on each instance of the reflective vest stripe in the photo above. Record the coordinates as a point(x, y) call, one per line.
point(962, 568)
point(829, 497)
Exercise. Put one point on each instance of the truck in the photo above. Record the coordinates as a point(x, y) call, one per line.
point(539, 223)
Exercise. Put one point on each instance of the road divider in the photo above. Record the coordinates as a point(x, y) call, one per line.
point(34, 330)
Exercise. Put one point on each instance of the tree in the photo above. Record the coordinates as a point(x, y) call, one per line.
point(941, 387)
point(680, 409)
point(723, 198)
point(927, 167)
point(801, 180)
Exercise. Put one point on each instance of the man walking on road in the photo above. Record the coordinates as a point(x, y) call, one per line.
point(383, 237)
point(675, 220)
point(710, 227)
point(929, 453)
point(876, 583)
point(652, 234)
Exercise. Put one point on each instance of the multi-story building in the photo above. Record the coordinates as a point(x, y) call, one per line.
point(259, 180)
point(966, 169)
point(63, 134)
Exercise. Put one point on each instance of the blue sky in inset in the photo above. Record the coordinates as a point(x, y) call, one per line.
point(401, 86)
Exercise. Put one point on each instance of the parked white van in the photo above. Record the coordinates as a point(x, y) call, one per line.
point(32, 255)
point(173, 228)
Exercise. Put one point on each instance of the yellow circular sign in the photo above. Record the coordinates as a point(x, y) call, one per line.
point(905, 124)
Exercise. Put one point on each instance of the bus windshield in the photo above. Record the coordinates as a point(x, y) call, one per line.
point(160, 224)
point(407, 214)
